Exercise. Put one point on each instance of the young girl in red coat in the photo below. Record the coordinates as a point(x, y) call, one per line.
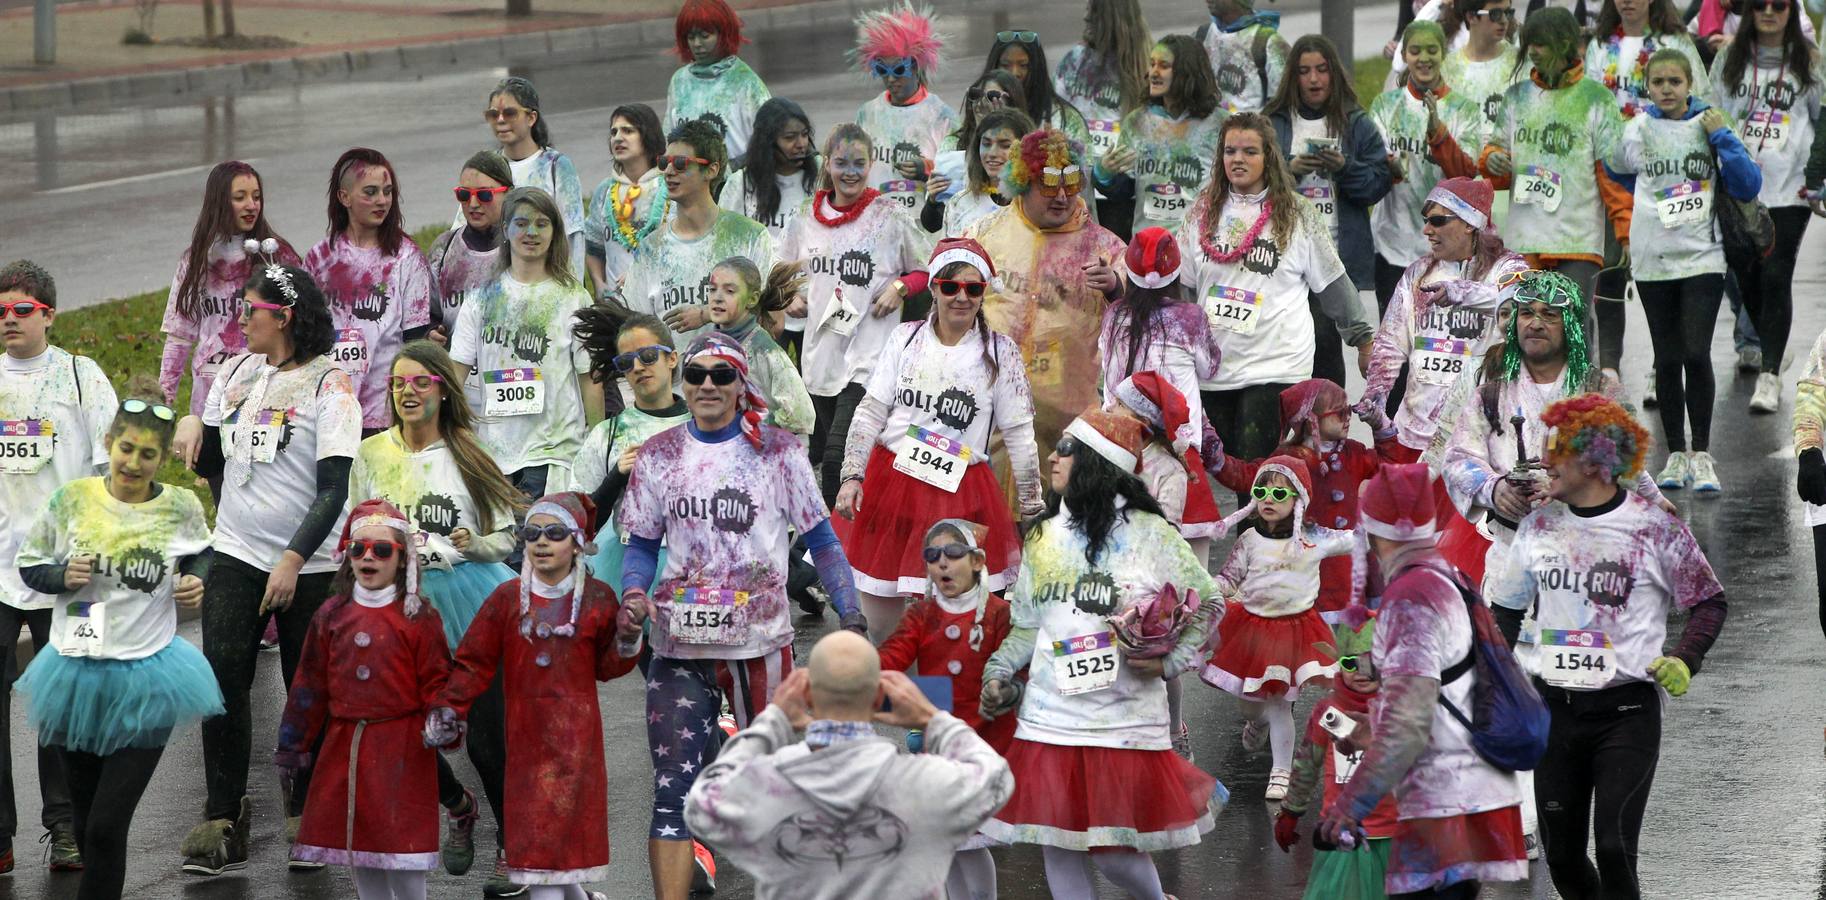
point(951, 631)
point(551, 633)
point(373, 662)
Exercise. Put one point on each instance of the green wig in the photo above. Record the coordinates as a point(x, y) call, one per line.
point(1558, 291)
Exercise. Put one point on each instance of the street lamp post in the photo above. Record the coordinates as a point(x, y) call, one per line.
point(44, 32)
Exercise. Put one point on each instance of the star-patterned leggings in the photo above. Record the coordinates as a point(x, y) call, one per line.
point(684, 698)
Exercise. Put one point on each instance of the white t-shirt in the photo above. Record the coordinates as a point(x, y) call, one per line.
point(1257, 305)
point(553, 173)
point(1316, 186)
point(275, 427)
point(127, 605)
point(1554, 140)
point(669, 272)
point(1440, 345)
point(736, 198)
point(428, 487)
point(727, 512)
point(1275, 577)
point(1482, 82)
point(600, 226)
point(518, 338)
point(1402, 119)
point(1615, 573)
point(1777, 123)
point(901, 133)
point(374, 299)
point(55, 410)
point(947, 389)
point(602, 447)
point(1672, 232)
point(848, 265)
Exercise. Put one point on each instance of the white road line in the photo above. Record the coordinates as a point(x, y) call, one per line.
point(130, 179)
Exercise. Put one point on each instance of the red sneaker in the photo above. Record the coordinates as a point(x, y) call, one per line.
point(704, 880)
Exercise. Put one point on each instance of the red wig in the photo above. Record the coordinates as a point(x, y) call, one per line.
point(713, 16)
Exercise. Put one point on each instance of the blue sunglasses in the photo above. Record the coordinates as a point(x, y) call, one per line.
point(899, 70)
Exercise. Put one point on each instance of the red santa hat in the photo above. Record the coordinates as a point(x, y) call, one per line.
point(1295, 470)
point(1153, 398)
point(973, 536)
point(578, 513)
point(369, 513)
point(1113, 437)
point(963, 250)
point(1153, 258)
point(1396, 503)
point(1303, 403)
point(1467, 198)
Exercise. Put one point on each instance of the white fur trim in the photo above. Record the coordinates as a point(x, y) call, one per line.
point(1398, 531)
point(1458, 206)
point(1155, 281)
point(964, 255)
point(1106, 448)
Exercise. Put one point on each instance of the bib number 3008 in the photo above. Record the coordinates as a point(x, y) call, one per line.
point(513, 392)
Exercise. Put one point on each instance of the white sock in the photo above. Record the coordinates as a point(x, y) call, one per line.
point(1130, 870)
point(556, 892)
point(1068, 874)
point(883, 614)
point(387, 884)
point(972, 876)
point(1280, 732)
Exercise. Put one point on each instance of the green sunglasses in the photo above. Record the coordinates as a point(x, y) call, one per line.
point(1276, 493)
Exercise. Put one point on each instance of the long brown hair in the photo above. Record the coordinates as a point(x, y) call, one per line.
point(1002, 119)
point(1117, 30)
point(1663, 18)
point(1343, 99)
point(1274, 174)
point(1193, 88)
point(350, 164)
point(1797, 51)
point(216, 223)
point(488, 489)
point(557, 253)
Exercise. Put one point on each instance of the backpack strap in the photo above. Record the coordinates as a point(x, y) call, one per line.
point(76, 376)
point(1258, 52)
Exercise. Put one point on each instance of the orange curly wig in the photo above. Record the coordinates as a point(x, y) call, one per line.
point(1047, 148)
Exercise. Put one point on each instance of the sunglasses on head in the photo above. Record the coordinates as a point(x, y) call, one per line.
point(624, 362)
point(951, 286)
point(680, 162)
point(721, 376)
point(482, 195)
point(22, 309)
point(949, 551)
point(1440, 221)
point(899, 70)
point(1276, 493)
point(1017, 37)
point(159, 410)
point(507, 115)
point(554, 532)
point(419, 383)
point(381, 550)
point(1066, 447)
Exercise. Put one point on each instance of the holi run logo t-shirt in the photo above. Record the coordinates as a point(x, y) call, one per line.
point(374, 300)
point(1173, 161)
point(517, 337)
point(1672, 231)
point(428, 487)
point(726, 92)
point(848, 265)
point(1776, 119)
point(904, 134)
point(1554, 140)
point(1482, 83)
point(1402, 119)
point(948, 390)
point(1089, 82)
point(669, 272)
point(213, 332)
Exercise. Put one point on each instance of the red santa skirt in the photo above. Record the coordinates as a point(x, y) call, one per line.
point(386, 771)
point(885, 543)
point(1485, 846)
point(1079, 798)
point(1258, 657)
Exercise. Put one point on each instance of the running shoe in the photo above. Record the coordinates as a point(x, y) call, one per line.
point(1532, 841)
point(1705, 473)
point(1768, 396)
point(269, 639)
point(1255, 735)
point(497, 884)
point(61, 853)
point(1182, 742)
point(1278, 779)
point(459, 849)
point(1648, 396)
point(726, 721)
point(218, 845)
point(1677, 474)
point(6, 857)
point(293, 860)
point(703, 881)
point(1749, 361)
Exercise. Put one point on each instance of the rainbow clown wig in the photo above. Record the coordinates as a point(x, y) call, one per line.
point(904, 32)
point(1596, 431)
point(1049, 159)
point(713, 16)
point(1559, 292)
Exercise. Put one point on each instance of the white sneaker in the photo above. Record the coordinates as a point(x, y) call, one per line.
point(1704, 475)
point(1677, 473)
point(1648, 396)
point(1768, 396)
point(1749, 361)
point(1278, 779)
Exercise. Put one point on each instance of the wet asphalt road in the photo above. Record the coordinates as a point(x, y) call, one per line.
point(105, 198)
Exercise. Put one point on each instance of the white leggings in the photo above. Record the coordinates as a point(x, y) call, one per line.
point(1279, 712)
point(1068, 873)
point(388, 884)
point(883, 614)
point(556, 892)
point(972, 876)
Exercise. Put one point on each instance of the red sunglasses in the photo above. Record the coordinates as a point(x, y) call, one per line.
point(482, 195)
point(23, 309)
point(381, 550)
point(951, 286)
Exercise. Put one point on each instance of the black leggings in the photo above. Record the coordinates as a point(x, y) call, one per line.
point(829, 434)
point(1768, 284)
point(486, 745)
point(1248, 419)
point(1388, 277)
point(1681, 316)
point(1327, 345)
point(1458, 890)
point(232, 624)
point(1819, 570)
point(118, 779)
point(53, 787)
point(1608, 308)
point(1602, 749)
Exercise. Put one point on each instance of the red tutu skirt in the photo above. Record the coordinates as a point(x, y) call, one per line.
point(1259, 657)
point(1459, 541)
point(1485, 846)
point(1078, 798)
point(885, 542)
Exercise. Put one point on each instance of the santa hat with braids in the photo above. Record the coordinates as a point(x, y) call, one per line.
point(1150, 396)
point(578, 513)
point(752, 404)
point(1295, 470)
point(369, 513)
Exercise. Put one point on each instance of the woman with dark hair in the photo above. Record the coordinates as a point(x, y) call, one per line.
point(114, 685)
point(1623, 38)
point(518, 123)
point(996, 140)
point(714, 84)
point(203, 314)
point(917, 449)
point(464, 258)
point(1106, 78)
point(432, 466)
point(1340, 162)
point(281, 428)
point(375, 281)
point(1166, 148)
point(780, 170)
point(1020, 54)
point(1092, 715)
point(631, 203)
point(992, 90)
point(1769, 79)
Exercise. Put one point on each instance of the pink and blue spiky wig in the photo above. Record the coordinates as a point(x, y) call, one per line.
point(904, 32)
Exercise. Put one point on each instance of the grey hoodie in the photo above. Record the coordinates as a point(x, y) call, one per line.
point(855, 819)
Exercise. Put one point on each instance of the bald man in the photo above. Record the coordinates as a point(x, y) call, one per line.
point(844, 813)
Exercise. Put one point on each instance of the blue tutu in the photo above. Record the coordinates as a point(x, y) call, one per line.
point(102, 705)
point(457, 595)
point(605, 566)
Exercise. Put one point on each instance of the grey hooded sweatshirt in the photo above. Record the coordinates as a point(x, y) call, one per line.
point(855, 819)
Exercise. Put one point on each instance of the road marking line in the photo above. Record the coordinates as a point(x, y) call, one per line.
point(130, 179)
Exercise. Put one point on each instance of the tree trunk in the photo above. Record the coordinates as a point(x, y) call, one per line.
point(209, 19)
point(228, 18)
point(519, 7)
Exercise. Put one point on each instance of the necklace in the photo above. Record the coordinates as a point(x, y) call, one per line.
point(824, 198)
point(1611, 80)
point(621, 201)
point(1242, 246)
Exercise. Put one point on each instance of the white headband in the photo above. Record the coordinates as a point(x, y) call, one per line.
point(964, 255)
point(1088, 434)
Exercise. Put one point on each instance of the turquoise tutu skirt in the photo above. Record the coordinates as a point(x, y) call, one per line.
point(102, 705)
point(457, 595)
point(605, 566)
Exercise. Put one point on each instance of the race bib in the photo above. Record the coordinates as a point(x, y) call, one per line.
point(1686, 203)
point(933, 458)
point(1085, 663)
point(1439, 361)
point(1324, 199)
point(513, 392)
point(1233, 309)
point(207, 369)
point(263, 438)
point(1047, 366)
point(25, 445)
point(707, 616)
point(1104, 134)
point(1167, 201)
point(904, 193)
point(86, 631)
point(1577, 660)
point(1344, 765)
point(1539, 187)
point(350, 352)
point(841, 317)
point(1769, 128)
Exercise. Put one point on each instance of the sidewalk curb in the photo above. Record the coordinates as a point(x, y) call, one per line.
point(432, 54)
